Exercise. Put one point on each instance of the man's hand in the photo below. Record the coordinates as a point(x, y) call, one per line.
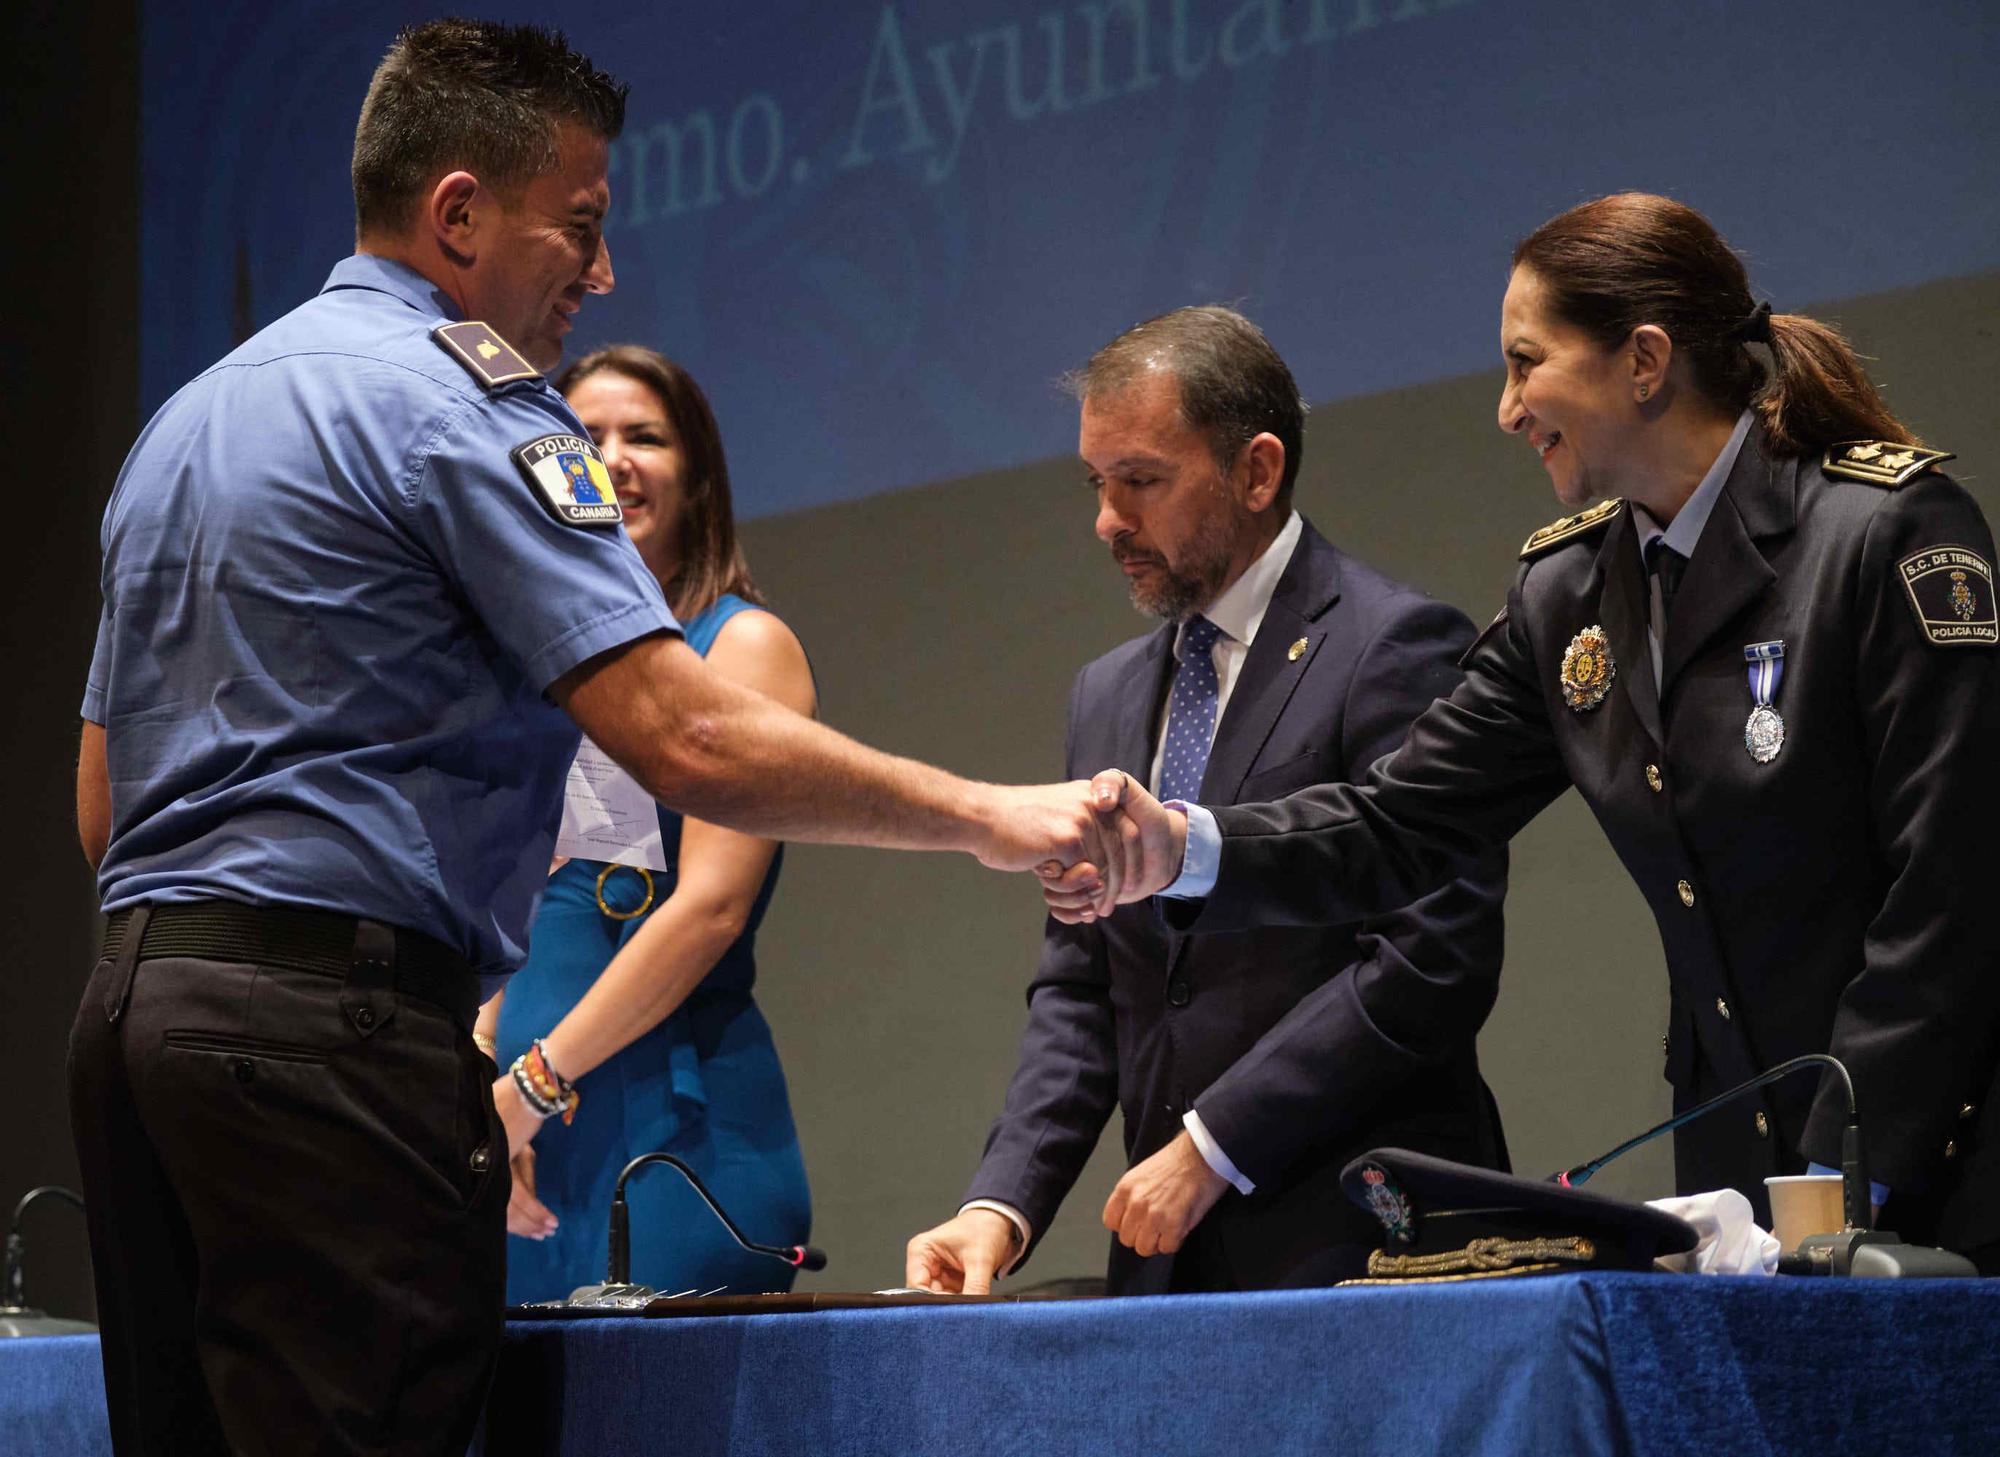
point(1067, 831)
point(1151, 844)
point(1162, 1198)
point(527, 1215)
point(960, 1256)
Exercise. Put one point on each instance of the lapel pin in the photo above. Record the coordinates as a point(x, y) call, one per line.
point(1296, 651)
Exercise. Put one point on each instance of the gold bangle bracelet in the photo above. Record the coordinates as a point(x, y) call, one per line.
point(487, 1045)
point(644, 906)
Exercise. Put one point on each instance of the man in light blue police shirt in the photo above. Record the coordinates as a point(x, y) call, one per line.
point(354, 574)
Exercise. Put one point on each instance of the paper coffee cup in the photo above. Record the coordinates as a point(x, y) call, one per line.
point(1802, 1205)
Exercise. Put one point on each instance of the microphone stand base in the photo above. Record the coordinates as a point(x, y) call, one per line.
point(1874, 1254)
point(19, 1320)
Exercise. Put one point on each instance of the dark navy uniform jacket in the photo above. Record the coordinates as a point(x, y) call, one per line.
point(1839, 897)
point(332, 604)
point(1302, 1046)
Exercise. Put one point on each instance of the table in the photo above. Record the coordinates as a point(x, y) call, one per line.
point(1585, 1364)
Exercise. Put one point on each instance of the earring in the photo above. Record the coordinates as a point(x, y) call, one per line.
point(1645, 390)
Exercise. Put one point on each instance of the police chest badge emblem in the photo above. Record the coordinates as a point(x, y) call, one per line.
point(1587, 670)
point(569, 478)
point(1764, 734)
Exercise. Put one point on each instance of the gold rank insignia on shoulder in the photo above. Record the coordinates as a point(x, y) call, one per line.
point(1587, 669)
point(1569, 526)
point(1879, 462)
point(486, 356)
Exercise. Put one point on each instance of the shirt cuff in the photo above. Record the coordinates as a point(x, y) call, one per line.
point(1212, 1152)
point(1202, 858)
point(1024, 1233)
point(1878, 1192)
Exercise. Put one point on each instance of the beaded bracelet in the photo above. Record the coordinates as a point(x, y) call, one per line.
point(543, 1088)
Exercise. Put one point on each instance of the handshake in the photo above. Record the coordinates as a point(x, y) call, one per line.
point(1095, 845)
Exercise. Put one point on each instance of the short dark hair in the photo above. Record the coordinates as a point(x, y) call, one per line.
point(1615, 263)
point(476, 94)
point(1234, 386)
point(711, 559)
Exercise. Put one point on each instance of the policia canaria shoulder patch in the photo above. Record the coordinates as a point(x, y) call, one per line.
point(486, 356)
point(1564, 528)
point(1951, 591)
point(568, 476)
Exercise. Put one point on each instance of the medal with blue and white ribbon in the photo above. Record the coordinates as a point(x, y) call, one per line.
point(1764, 734)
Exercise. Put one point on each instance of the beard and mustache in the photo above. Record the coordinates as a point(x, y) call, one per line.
point(1176, 589)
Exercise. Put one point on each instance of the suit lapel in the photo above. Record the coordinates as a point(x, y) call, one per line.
point(1271, 672)
point(1140, 698)
point(1621, 609)
point(1728, 570)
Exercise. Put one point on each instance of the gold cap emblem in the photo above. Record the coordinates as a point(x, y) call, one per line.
point(1587, 670)
point(1296, 651)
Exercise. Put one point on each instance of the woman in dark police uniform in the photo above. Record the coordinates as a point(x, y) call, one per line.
point(1766, 661)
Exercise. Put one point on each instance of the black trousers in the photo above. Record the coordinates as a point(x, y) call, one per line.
point(297, 1224)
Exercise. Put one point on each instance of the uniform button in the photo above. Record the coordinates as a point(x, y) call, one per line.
point(1967, 1111)
point(1723, 1007)
point(1951, 1148)
point(1763, 1126)
point(1177, 993)
point(1687, 892)
point(482, 1159)
point(1663, 1042)
point(244, 1069)
point(1653, 780)
point(364, 1017)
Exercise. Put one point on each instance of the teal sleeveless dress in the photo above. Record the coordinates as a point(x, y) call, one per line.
point(704, 1085)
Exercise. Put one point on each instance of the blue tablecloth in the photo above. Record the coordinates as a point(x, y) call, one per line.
point(1586, 1364)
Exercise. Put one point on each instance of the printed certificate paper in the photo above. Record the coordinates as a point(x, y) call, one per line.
point(607, 815)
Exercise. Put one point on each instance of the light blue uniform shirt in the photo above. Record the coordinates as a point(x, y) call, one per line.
point(332, 604)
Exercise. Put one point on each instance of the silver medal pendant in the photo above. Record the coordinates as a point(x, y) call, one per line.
point(1764, 734)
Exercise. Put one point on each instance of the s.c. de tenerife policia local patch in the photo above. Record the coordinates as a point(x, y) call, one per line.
point(568, 476)
point(1951, 591)
point(1587, 670)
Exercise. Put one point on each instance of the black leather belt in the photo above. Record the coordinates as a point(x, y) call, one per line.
point(295, 939)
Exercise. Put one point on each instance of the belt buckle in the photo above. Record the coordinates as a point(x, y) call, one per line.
point(644, 906)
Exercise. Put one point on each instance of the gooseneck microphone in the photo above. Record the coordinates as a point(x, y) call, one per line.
point(17, 1317)
point(618, 1268)
point(1855, 1198)
point(1857, 1249)
point(618, 1291)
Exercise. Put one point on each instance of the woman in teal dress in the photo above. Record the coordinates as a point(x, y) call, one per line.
point(638, 984)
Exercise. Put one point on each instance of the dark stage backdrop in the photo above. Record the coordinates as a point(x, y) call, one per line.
point(877, 232)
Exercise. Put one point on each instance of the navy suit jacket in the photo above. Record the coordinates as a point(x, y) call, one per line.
point(1300, 1047)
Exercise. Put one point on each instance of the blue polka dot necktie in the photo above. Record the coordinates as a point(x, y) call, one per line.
point(1191, 716)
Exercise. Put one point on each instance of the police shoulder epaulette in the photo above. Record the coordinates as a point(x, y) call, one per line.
point(1879, 462)
point(1568, 526)
point(486, 356)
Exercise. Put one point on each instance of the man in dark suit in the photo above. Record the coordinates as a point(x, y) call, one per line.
point(1250, 1068)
